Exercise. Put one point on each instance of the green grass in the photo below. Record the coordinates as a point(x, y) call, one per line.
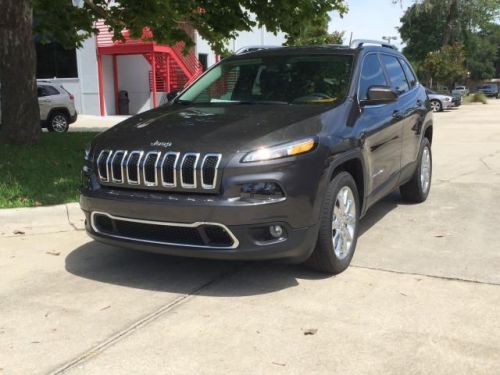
point(45, 174)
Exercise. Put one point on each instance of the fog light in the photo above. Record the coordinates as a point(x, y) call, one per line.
point(276, 231)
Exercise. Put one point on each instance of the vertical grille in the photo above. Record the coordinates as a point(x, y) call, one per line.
point(168, 169)
point(188, 170)
point(155, 168)
point(133, 163)
point(149, 168)
point(117, 166)
point(103, 166)
point(209, 170)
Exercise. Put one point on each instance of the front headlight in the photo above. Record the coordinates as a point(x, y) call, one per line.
point(447, 99)
point(280, 151)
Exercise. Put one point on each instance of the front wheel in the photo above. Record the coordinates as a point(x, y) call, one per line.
point(338, 232)
point(436, 106)
point(417, 189)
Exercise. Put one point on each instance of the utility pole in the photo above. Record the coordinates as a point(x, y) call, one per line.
point(389, 38)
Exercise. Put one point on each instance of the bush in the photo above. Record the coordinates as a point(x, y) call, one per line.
point(477, 97)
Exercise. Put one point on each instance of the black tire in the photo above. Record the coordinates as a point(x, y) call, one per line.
point(413, 190)
point(324, 258)
point(58, 122)
point(438, 105)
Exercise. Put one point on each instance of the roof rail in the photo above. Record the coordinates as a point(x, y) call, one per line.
point(357, 43)
point(247, 49)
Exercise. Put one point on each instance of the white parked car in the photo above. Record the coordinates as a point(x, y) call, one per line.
point(439, 102)
point(460, 90)
point(57, 106)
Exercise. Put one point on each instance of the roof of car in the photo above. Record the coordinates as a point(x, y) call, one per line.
point(313, 50)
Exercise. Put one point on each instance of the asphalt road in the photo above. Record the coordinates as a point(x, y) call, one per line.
point(422, 295)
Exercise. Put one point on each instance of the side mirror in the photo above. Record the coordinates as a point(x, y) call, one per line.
point(380, 95)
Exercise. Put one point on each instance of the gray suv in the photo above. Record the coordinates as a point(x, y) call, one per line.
point(57, 107)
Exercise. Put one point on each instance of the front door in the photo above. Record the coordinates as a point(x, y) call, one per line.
point(380, 126)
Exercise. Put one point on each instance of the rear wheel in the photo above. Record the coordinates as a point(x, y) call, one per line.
point(338, 226)
point(58, 122)
point(436, 106)
point(417, 189)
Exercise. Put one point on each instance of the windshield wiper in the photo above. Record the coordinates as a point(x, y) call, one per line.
point(262, 102)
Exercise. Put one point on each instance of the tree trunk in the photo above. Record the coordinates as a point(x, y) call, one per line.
point(451, 21)
point(19, 111)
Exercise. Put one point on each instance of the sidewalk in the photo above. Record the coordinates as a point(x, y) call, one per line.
point(89, 123)
point(38, 220)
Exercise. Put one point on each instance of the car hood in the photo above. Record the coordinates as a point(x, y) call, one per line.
point(440, 96)
point(213, 128)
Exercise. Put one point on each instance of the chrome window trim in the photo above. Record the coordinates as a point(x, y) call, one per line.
point(101, 177)
point(138, 181)
point(113, 179)
point(194, 184)
point(203, 184)
point(189, 225)
point(163, 183)
point(146, 182)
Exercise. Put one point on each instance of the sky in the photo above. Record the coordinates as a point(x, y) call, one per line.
point(370, 19)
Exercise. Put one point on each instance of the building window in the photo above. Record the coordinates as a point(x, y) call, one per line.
point(53, 61)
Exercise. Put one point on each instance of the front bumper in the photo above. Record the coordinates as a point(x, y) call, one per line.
point(242, 220)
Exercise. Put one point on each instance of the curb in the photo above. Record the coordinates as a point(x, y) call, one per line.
point(16, 222)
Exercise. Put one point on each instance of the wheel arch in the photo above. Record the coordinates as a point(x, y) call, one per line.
point(55, 110)
point(353, 164)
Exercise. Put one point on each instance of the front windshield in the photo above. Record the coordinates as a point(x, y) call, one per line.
point(277, 79)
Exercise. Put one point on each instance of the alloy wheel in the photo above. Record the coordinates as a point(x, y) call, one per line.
point(59, 123)
point(425, 170)
point(343, 222)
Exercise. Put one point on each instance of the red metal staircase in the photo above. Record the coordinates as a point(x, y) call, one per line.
point(173, 69)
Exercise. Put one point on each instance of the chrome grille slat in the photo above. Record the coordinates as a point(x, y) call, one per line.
point(107, 155)
point(118, 157)
point(170, 170)
point(172, 180)
point(134, 167)
point(186, 175)
point(154, 156)
point(209, 172)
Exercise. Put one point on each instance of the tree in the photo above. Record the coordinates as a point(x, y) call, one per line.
point(447, 64)
point(313, 32)
point(429, 25)
point(58, 20)
point(19, 114)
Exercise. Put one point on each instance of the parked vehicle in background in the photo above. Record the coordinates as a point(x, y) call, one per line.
point(489, 89)
point(439, 102)
point(460, 90)
point(275, 153)
point(457, 100)
point(57, 107)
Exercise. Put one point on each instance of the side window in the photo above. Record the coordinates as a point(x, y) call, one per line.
point(395, 73)
point(409, 74)
point(42, 91)
point(372, 74)
point(52, 90)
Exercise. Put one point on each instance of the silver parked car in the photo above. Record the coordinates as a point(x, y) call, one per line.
point(57, 107)
point(460, 90)
point(439, 102)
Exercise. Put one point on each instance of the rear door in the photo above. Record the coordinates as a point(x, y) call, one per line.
point(44, 101)
point(380, 128)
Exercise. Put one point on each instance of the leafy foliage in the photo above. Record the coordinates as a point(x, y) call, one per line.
point(313, 32)
point(447, 64)
point(428, 25)
point(215, 20)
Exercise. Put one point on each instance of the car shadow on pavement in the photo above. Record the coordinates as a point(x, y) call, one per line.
point(163, 273)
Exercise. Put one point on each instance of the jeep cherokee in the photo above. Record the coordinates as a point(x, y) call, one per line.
point(275, 153)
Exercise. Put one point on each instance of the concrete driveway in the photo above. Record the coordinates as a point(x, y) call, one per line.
point(422, 295)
